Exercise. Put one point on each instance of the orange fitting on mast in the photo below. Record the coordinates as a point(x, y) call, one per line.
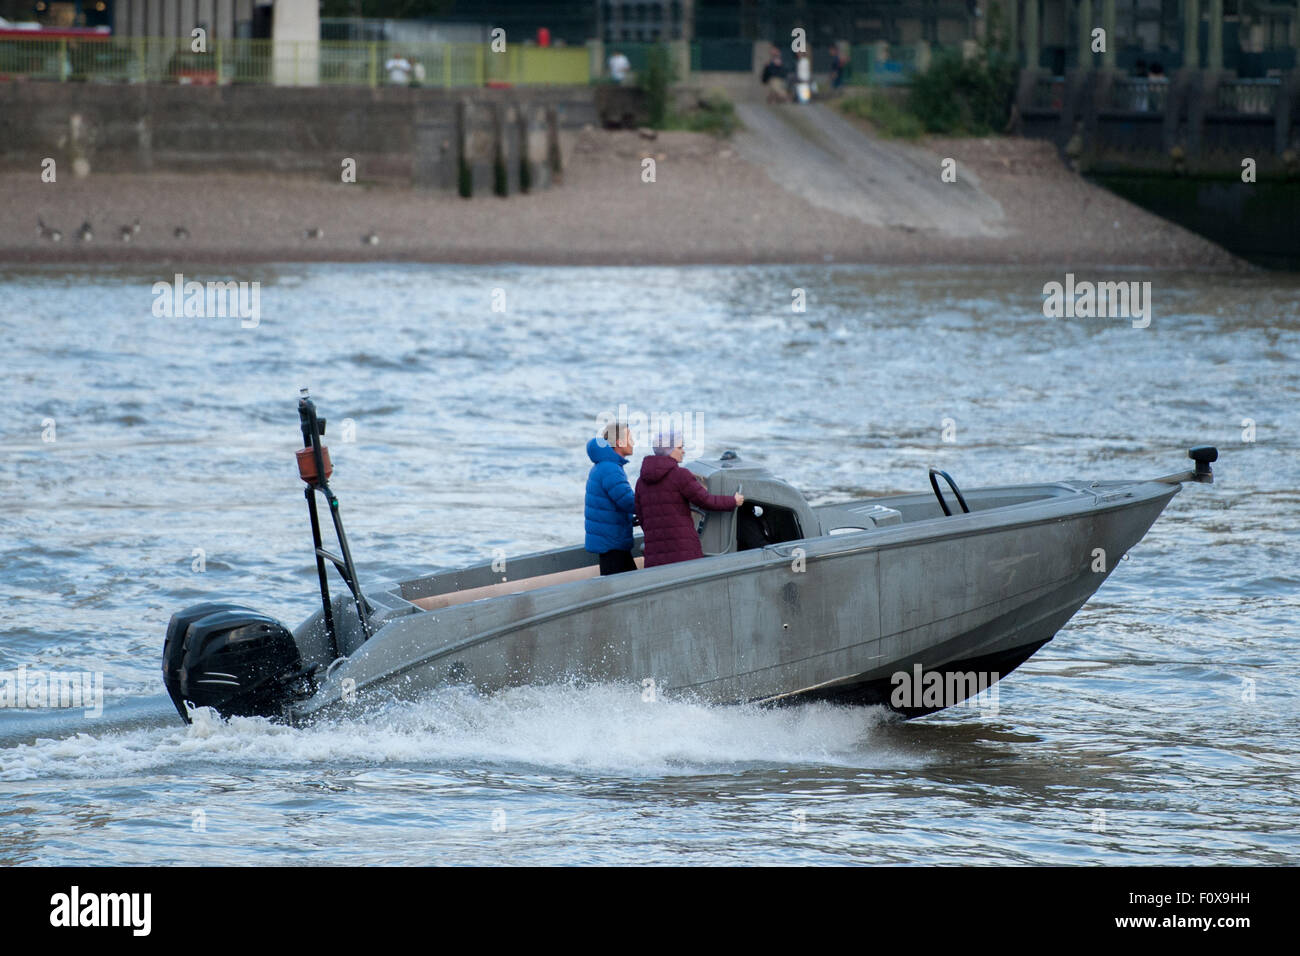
point(307, 464)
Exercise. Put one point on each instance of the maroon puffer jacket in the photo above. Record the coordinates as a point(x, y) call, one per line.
point(664, 494)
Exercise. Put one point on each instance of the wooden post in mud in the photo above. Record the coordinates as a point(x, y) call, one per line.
point(525, 164)
point(537, 147)
point(480, 149)
point(500, 159)
point(496, 148)
point(464, 173)
point(508, 145)
point(553, 158)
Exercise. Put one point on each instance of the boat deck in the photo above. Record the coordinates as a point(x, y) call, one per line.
point(436, 602)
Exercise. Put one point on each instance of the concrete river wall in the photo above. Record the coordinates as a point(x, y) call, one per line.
point(479, 140)
point(1217, 154)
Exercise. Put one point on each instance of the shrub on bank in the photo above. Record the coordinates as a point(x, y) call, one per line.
point(713, 113)
point(965, 97)
point(655, 81)
point(955, 97)
point(888, 117)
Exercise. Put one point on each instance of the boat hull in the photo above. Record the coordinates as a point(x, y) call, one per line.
point(835, 618)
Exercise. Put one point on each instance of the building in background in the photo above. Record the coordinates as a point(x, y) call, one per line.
point(566, 22)
point(222, 19)
point(825, 21)
point(639, 21)
point(1253, 38)
point(1246, 37)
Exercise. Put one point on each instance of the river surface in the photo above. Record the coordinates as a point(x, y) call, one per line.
point(146, 463)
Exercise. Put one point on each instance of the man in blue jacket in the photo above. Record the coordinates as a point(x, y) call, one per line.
point(610, 507)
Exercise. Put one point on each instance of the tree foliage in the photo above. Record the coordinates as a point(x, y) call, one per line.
point(965, 97)
point(656, 80)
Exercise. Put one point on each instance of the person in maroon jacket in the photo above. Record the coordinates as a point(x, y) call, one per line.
point(664, 495)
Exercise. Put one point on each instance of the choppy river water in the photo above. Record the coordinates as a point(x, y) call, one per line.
point(146, 463)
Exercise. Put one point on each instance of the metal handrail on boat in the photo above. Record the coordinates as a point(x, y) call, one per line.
point(951, 484)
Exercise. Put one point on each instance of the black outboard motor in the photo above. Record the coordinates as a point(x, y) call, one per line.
point(241, 662)
point(233, 659)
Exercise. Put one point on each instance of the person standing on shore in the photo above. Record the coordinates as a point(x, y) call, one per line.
point(610, 507)
point(399, 71)
point(664, 495)
point(774, 78)
point(837, 67)
point(803, 77)
point(618, 67)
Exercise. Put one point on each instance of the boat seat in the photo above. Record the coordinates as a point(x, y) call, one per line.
point(436, 602)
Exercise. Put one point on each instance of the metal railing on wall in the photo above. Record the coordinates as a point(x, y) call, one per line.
point(1247, 96)
point(1138, 94)
point(1128, 94)
point(170, 60)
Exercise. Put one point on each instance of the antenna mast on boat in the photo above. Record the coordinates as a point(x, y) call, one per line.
point(315, 468)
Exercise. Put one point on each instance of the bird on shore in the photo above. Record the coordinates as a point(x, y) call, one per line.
point(47, 232)
point(180, 232)
point(127, 233)
point(85, 233)
point(370, 239)
point(315, 232)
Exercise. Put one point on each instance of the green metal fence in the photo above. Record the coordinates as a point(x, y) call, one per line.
point(168, 60)
point(735, 56)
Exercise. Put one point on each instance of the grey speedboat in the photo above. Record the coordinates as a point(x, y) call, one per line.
point(840, 602)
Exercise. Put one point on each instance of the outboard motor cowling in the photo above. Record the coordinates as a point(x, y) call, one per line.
point(233, 659)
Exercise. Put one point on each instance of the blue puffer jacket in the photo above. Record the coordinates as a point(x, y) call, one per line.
point(610, 503)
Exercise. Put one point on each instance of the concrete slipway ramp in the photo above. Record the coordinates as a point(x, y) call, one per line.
point(819, 155)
